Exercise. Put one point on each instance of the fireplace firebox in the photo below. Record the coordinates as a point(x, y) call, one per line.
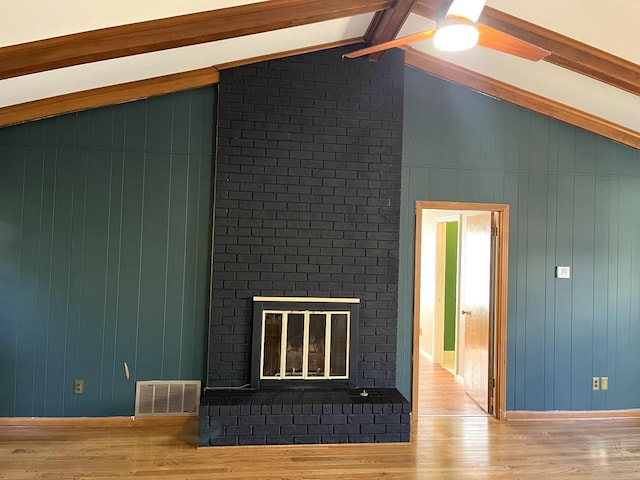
point(310, 342)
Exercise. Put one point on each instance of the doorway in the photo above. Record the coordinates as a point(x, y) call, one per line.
point(476, 332)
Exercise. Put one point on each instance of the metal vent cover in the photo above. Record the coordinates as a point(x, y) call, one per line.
point(174, 397)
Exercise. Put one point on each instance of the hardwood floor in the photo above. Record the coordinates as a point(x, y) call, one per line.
point(444, 447)
point(440, 394)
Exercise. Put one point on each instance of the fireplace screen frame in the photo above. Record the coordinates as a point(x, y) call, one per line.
point(306, 306)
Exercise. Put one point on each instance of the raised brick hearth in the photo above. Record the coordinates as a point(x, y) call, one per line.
point(267, 417)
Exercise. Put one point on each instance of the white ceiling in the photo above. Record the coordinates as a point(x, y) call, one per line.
point(612, 28)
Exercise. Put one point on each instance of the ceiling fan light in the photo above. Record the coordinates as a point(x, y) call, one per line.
point(469, 9)
point(456, 37)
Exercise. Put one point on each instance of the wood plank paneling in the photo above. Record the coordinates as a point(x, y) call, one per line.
point(572, 198)
point(535, 277)
point(98, 234)
point(551, 229)
point(582, 338)
point(517, 96)
point(563, 309)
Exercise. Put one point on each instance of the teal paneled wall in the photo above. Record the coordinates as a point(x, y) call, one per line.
point(574, 200)
point(104, 253)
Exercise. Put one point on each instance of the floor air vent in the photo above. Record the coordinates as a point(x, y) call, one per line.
point(167, 398)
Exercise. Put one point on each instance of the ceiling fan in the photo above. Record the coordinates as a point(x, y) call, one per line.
point(457, 29)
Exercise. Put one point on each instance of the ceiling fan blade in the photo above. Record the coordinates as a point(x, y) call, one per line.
point(502, 42)
point(398, 42)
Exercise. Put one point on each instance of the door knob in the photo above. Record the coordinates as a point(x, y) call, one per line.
point(465, 312)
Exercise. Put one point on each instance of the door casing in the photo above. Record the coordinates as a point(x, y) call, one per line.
point(500, 297)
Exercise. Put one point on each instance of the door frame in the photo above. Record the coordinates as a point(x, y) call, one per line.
point(500, 298)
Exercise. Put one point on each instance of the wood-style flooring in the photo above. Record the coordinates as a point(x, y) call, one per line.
point(443, 447)
point(440, 394)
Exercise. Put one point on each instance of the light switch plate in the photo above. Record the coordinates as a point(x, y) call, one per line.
point(563, 272)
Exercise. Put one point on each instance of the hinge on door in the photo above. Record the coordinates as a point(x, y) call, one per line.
point(494, 231)
point(492, 383)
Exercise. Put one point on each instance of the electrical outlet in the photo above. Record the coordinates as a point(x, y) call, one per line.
point(604, 383)
point(595, 383)
point(78, 386)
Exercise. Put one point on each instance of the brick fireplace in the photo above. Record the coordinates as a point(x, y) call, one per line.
point(307, 204)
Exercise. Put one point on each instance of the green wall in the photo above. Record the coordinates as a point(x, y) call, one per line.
point(574, 200)
point(450, 285)
point(104, 253)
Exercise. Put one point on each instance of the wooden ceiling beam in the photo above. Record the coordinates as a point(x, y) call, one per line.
point(173, 32)
point(130, 91)
point(566, 52)
point(386, 25)
point(522, 98)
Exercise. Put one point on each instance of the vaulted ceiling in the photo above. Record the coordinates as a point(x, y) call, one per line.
point(69, 55)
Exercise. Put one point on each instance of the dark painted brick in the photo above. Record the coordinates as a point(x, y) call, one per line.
point(223, 421)
point(347, 429)
point(223, 442)
point(362, 438)
point(279, 439)
point(287, 123)
point(388, 437)
point(398, 428)
point(374, 428)
point(293, 429)
point(252, 440)
point(360, 418)
point(333, 419)
point(252, 420)
point(266, 430)
point(306, 419)
point(233, 430)
point(387, 418)
point(335, 439)
point(320, 429)
point(306, 439)
point(279, 419)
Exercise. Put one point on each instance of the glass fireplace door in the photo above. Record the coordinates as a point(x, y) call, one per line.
point(305, 345)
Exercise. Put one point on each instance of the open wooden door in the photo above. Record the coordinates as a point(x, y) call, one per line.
point(476, 293)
